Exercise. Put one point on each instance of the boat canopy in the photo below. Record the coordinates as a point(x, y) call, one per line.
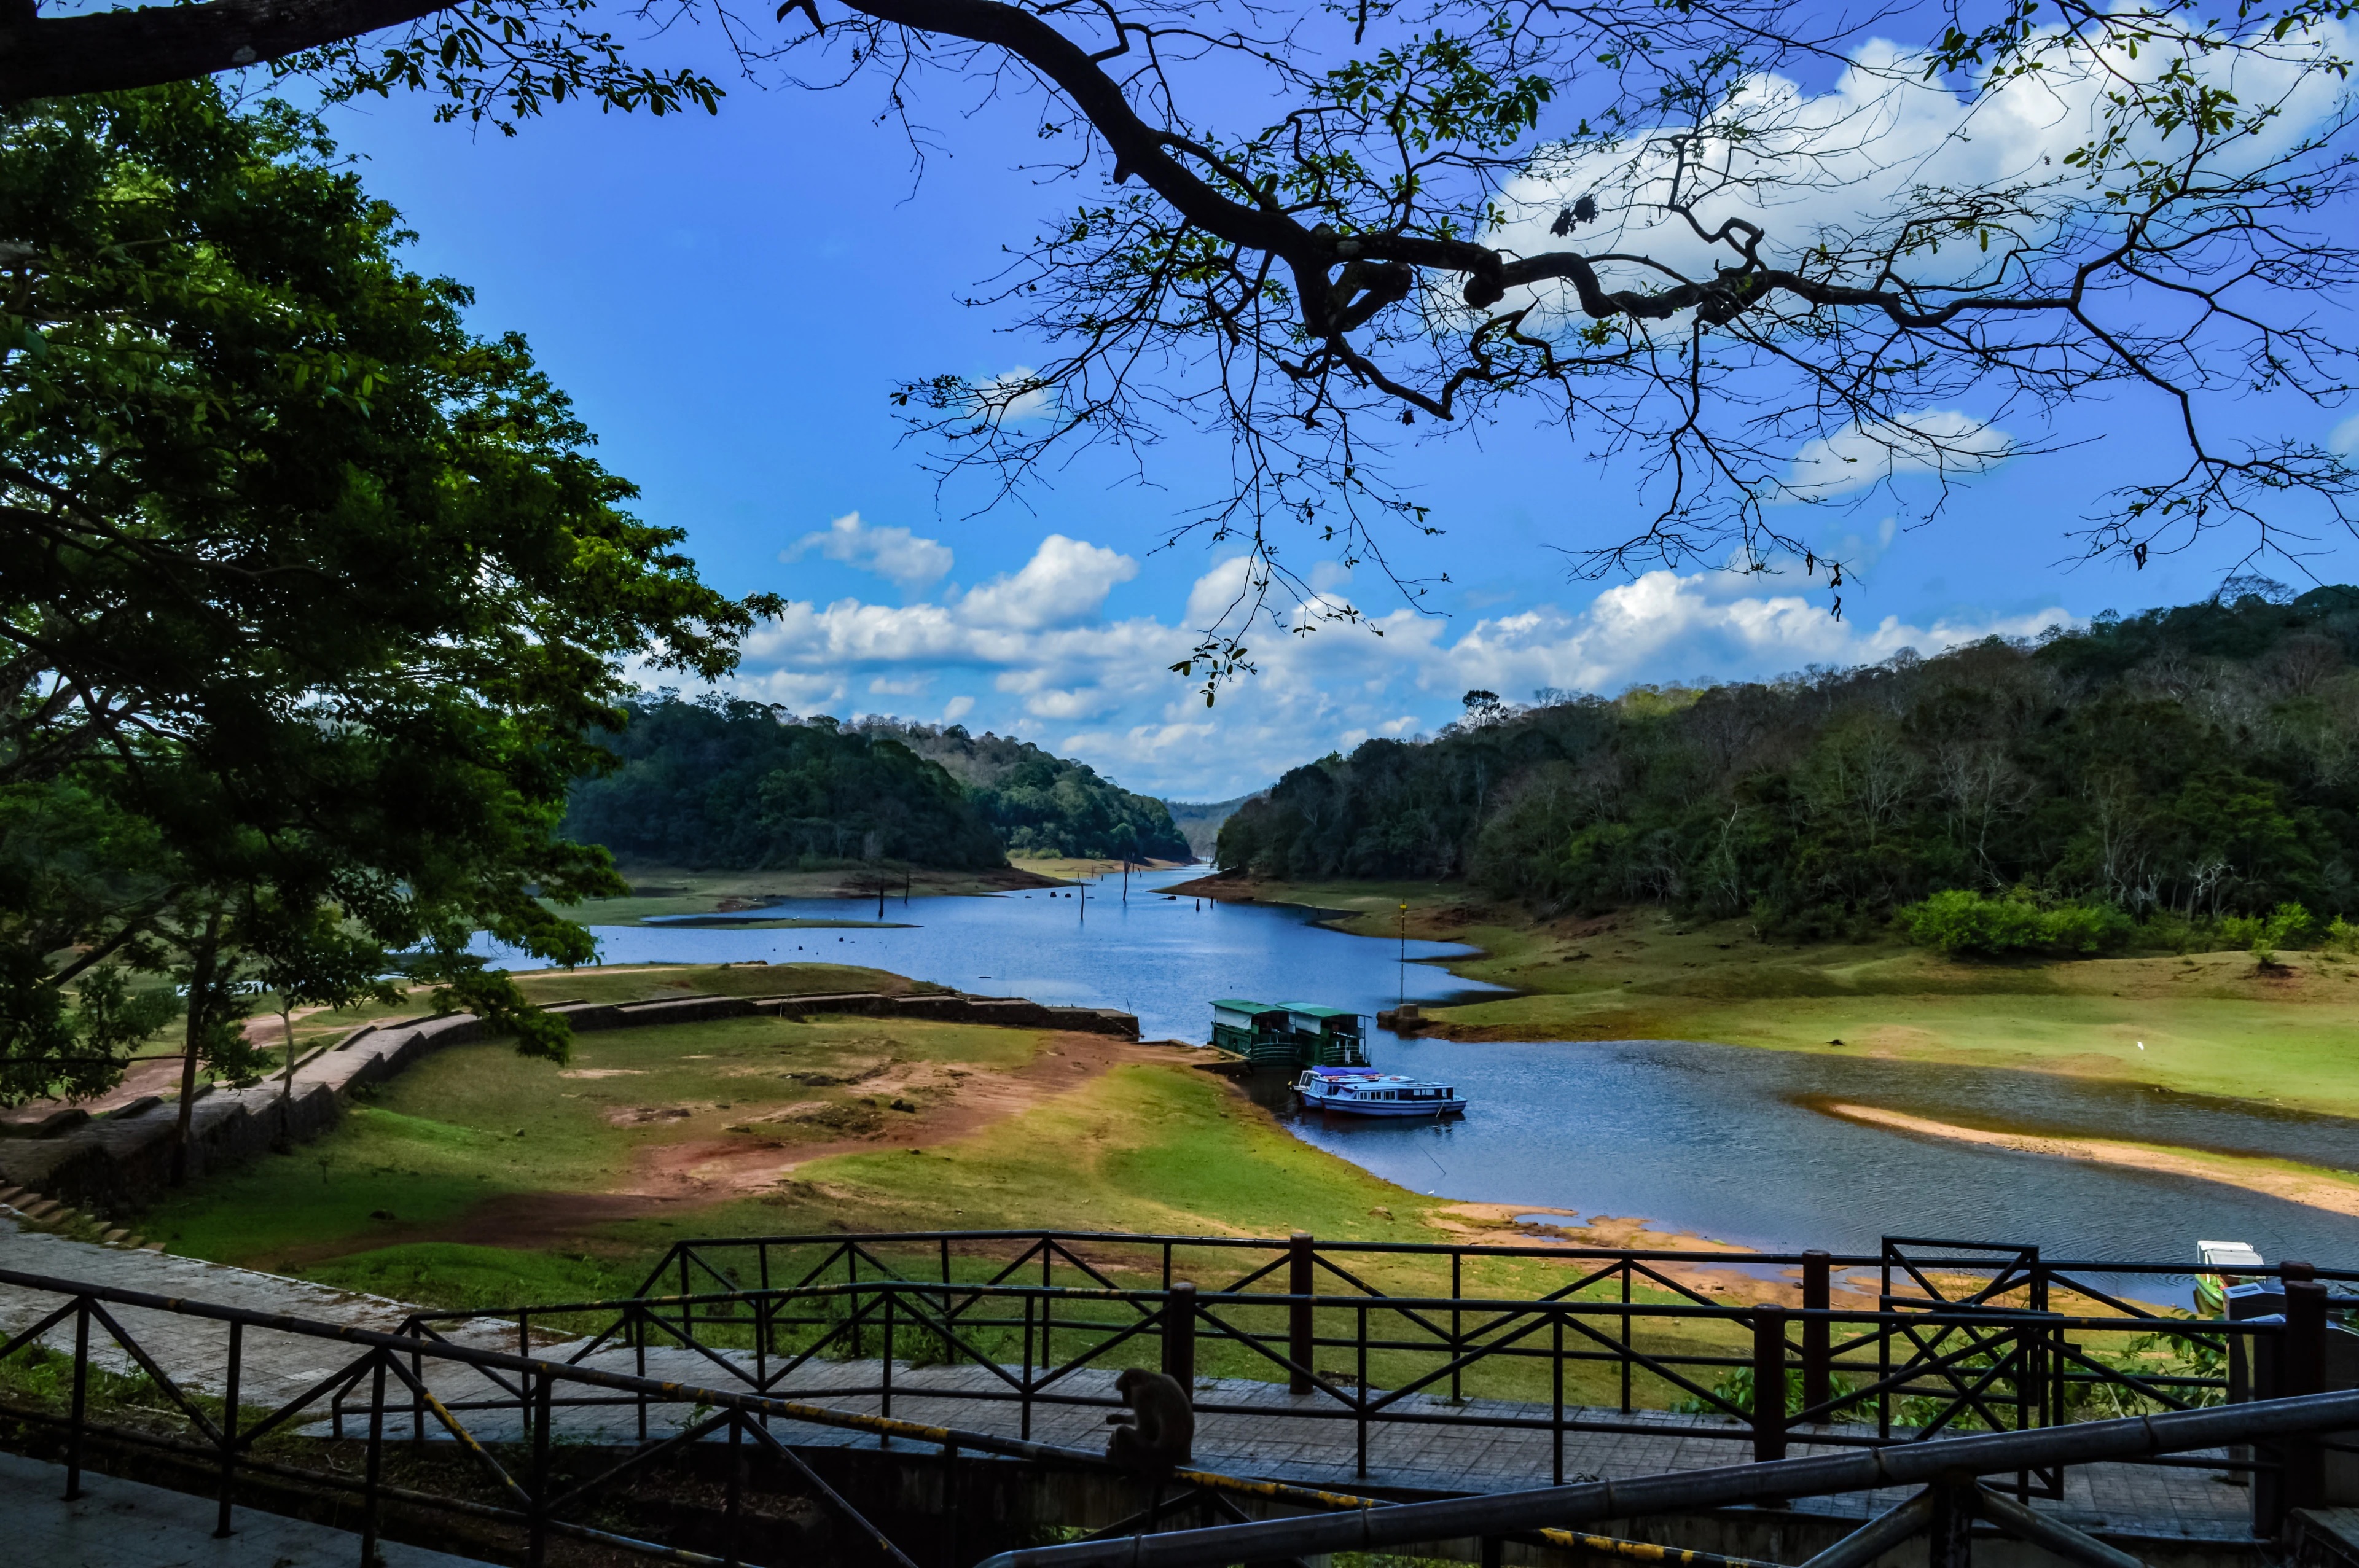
point(1347, 1072)
point(1238, 1013)
point(1311, 1019)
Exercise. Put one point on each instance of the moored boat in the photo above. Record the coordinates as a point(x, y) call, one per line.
point(1364, 1091)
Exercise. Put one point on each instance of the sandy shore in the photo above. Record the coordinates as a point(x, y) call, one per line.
point(2333, 1191)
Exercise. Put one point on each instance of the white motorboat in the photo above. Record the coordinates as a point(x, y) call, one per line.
point(1364, 1091)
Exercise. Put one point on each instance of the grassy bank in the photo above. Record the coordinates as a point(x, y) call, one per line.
point(479, 1178)
point(670, 891)
point(2211, 1023)
point(769, 1124)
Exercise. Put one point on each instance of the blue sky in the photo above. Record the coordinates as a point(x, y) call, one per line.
point(730, 300)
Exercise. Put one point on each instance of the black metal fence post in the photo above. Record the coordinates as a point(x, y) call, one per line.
point(228, 1426)
point(2305, 1373)
point(538, 1419)
point(1457, 1321)
point(1180, 1336)
point(639, 1353)
point(1768, 1383)
point(950, 1504)
point(373, 1467)
point(1818, 1334)
point(735, 1508)
point(1556, 1386)
point(1949, 1539)
point(1299, 1327)
point(883, 1440)
point(1628, 1360)
point(1360, 1395)
point(80, 1400)
point(1024, 1389)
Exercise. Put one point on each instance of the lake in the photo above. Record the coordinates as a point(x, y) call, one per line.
point(1711, 1141)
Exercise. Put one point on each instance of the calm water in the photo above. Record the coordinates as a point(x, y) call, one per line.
point(1707, 1140)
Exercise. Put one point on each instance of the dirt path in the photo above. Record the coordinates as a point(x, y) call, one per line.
point(2321, 1192)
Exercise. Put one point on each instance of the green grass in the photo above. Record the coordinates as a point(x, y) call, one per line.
point(1141, 1148)
point(454, 1274)
point(476, 1122)
point(667, 891)
point(650, 982)
point(2212, 1022)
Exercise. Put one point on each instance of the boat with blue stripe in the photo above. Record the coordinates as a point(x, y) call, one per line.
point(1365, 1091)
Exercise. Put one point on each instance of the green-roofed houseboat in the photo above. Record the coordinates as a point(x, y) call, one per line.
point(1288, 1035)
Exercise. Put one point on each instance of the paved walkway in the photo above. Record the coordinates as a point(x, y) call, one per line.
point(124, 1524)
point(1278, 1434)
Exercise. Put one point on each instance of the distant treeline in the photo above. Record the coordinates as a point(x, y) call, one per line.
point(725, 784)
point(2183, 767)
point(1199, 821)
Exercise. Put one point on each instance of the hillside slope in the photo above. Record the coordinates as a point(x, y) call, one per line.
point(2183, 766)
point(1040, 804)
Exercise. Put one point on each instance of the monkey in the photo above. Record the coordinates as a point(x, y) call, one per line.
point(1159, 1431)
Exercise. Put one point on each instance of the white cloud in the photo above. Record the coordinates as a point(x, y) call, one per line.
point(1041, 659)
point(895, 554)
point(2344, 441)
point(1012, 398)
point(1066, 580)
point(1939, 440)
point(1846, 167)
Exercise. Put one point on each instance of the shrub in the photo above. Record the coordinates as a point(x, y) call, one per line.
point(2284, 927)
point(1962, 921)
point(2085, 928)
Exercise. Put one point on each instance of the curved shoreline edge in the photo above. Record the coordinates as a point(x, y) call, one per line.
point(2312, 1186)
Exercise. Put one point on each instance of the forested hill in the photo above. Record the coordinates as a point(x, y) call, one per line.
point(1039, 804)
point(2181, 765)
point(724, 785)
point(720, 784)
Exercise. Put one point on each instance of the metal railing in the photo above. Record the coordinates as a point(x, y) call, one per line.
point(515, 1482)
point(1944, 1510)
point(1961, 1338)
point(418, 1378)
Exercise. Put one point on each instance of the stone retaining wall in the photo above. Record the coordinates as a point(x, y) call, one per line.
point(114, 1164)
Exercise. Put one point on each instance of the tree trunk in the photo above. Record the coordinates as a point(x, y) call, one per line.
point(200, 989)
point(287, 1093)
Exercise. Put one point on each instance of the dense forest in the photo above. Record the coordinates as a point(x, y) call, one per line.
point(2179, 769)
point(723, 783)
point(1039, 804)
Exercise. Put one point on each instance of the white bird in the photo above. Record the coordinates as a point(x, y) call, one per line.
point(2141, 1045)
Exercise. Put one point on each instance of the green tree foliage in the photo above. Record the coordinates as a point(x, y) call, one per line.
point(724, 783)
point(310, 598)
point(1044, 805)
point(2189, 765)
point(1959, 920)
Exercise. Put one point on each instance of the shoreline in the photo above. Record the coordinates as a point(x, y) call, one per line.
point(2312, 1186)
point(2204, 1023)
